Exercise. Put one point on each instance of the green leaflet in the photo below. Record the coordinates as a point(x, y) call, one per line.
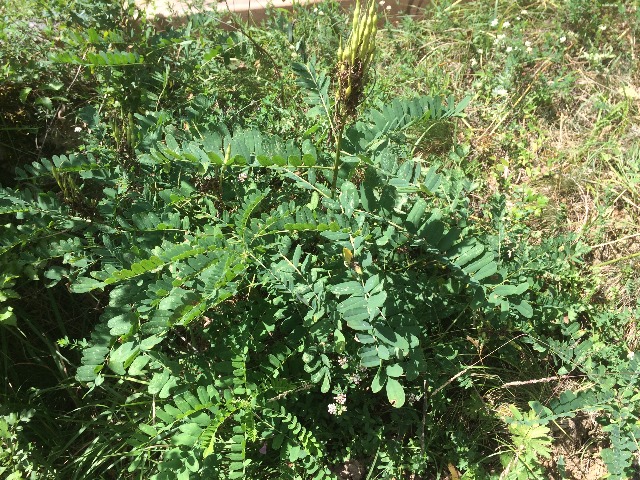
point(395, 392)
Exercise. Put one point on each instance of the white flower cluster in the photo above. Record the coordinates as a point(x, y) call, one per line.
point(339, 407)
point(413, 398)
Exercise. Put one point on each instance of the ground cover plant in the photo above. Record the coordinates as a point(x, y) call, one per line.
point(336, 245)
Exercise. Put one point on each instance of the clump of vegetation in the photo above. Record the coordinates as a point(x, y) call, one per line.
point(340, 245)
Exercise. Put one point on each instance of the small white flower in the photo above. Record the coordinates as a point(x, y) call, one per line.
point(602, 28)
point(506, 24)
point(523, 12)
point(500, 92)
point(320, 13)
point(315, 10)
point(474, 62)
point(494, 22)
point(562, 39)
point(388, 8)
point(342, 361)
point(332, 408)
point(355, 378)
point(242, 177)
point(381, 3)
point(529, 49)
point(77, 129)
point(527, 43)
point(630, 355)
point(509, 49)
point(341, 398)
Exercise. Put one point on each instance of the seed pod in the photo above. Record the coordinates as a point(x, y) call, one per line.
point(367, 62)
point(372, 9)
point(361, 28)
point(356, 18)
point(366, 37)
point(347, 92)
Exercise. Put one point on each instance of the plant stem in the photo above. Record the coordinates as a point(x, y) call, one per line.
point(336, 162)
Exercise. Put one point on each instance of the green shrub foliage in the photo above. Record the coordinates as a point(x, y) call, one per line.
point(256, 324)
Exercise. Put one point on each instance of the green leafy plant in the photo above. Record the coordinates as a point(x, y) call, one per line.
point(272, 266)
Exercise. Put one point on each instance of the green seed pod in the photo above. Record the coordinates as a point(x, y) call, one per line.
point(356, 19)
point(366, 38)
point(354, 44)
point(367, 62)
point(347, 92)
point(361, 28)
point(346, 54)
point(372, 9)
